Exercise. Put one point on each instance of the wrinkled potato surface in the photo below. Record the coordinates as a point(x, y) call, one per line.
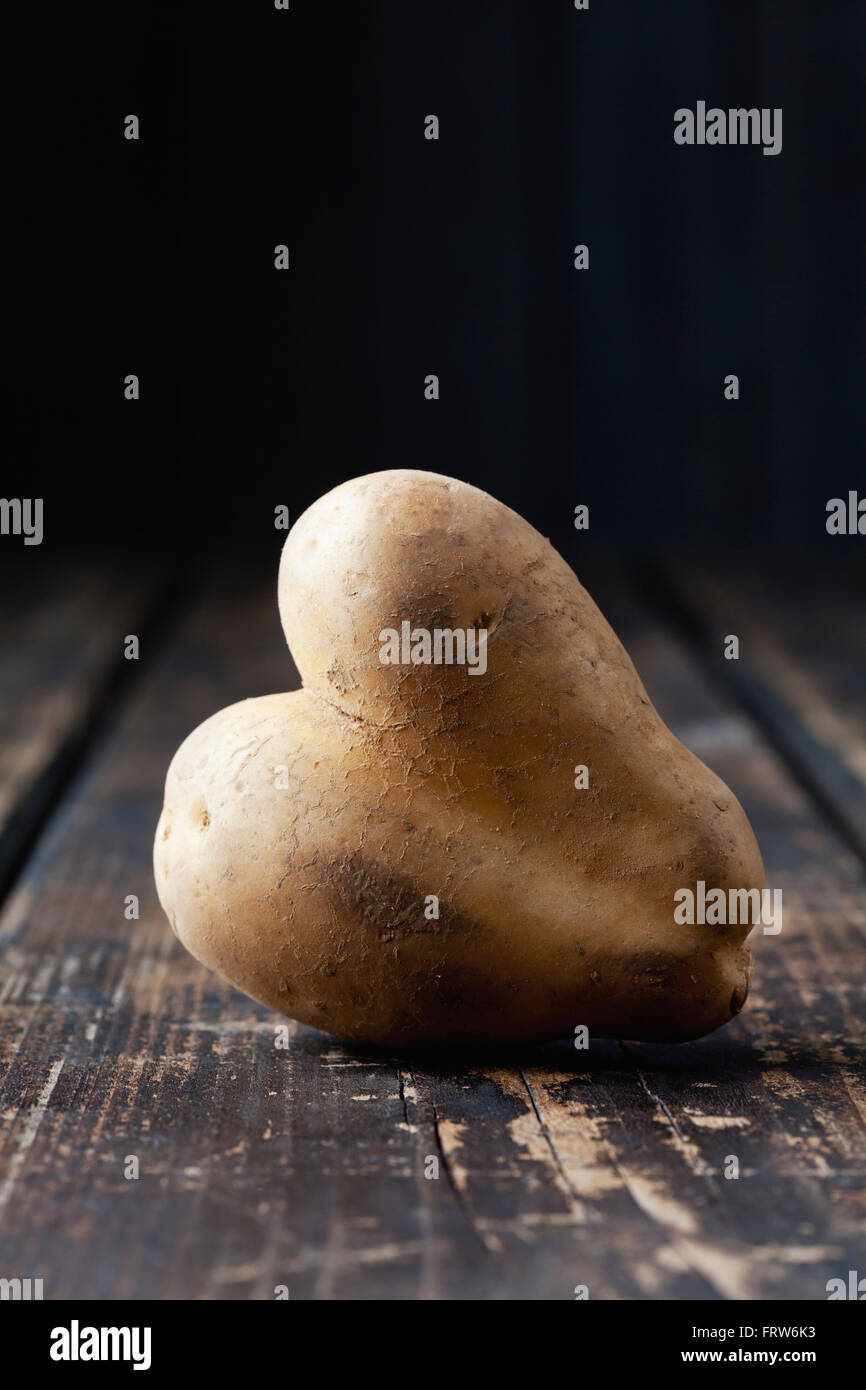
point(306, 837)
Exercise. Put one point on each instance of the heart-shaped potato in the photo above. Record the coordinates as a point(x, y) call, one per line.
point(398, 852)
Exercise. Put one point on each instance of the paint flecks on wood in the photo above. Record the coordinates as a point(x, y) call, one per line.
point(299, 1161)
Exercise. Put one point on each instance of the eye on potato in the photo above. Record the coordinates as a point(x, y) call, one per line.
point(397, 853)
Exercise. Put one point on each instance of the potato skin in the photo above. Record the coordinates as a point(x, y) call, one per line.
point(307, 887)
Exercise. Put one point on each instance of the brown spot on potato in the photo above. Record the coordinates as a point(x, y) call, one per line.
point(388, 905)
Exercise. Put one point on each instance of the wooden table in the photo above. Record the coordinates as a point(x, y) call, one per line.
point(305, 1167)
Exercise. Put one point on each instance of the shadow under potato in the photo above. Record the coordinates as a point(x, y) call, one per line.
point(720, 1056)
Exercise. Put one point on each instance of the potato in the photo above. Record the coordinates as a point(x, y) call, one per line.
point(398, 853)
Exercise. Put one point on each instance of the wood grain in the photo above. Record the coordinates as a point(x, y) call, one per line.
point(305, 1165)
point(62, 630)
point(802, 666)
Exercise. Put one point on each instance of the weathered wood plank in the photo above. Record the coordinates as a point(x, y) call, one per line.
point(785, 1081)
point(258, 1166)
point(637, 1145)
point(802, 665)
point(306, 1166)
point(62, 626)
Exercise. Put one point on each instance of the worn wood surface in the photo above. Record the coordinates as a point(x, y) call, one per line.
point(305, 1167)
point(802, 672)
point(62, 664)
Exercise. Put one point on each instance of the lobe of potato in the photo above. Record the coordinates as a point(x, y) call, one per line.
point(400, 852)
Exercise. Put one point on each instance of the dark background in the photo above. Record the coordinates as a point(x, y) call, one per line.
point(410, 257)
